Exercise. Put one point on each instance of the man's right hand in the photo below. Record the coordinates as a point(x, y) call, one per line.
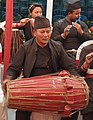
point(4, 83)
point(89, 58)
point(4, 86)
point(66, 31)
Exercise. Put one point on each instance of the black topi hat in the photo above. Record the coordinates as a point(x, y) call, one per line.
point(73, 5)
point(41, 22)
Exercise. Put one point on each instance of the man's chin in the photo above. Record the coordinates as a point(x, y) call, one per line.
point(73, 20)
point(45, 42)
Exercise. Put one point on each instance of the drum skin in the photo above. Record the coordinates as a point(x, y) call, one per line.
point(52, 94)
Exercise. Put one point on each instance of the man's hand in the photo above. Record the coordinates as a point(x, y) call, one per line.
point(66, 31)
point(78, 27)
point(4, 84)
point(24, 20)
point(89, 58)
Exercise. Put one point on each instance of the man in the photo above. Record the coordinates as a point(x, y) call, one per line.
point(85, 69)
point(39, 56)
point(71, 31)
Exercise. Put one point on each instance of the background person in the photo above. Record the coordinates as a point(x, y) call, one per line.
point(70, 33)
point(27, 24)
point(85, 69)
point(39, 56)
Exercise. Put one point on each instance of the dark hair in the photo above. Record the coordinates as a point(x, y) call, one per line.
point(33, 6)
point(41, 22)
point(68, 11)
point(71, 7)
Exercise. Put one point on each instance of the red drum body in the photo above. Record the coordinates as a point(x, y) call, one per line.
point(52, 94)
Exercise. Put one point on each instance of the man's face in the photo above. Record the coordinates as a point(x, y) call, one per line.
point(75, 15)
point(42, 36)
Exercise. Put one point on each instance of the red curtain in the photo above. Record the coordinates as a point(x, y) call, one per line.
point(8, 33)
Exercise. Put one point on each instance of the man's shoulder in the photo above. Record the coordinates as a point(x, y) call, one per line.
point(29, 42)
point(56, 44)
point(59, 22)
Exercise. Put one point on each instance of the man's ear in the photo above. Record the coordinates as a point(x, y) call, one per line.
point(34, 33)
point(69, 13)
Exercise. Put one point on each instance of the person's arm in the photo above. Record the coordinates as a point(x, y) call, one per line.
point(60, 31)
point(15, 67)
point(56, 32)
point(83, 32)
point(18, 25)
point(5, 81)
point(21, 23)
point(84, 62)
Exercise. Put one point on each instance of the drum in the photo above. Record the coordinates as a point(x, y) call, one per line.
point(3, 107)
point(16, 41)
point(50, 94)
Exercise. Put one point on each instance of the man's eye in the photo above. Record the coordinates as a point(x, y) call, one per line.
point(41, 32)
point(48, 31)
point(36, 12)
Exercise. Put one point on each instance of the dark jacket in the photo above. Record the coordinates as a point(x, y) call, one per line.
point(74, 39)
point(26, 56)
point(27, 29)
point(86, 50)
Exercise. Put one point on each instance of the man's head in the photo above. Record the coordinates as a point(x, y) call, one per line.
point(73, 9)
point(42, 30)
point(35, 10)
